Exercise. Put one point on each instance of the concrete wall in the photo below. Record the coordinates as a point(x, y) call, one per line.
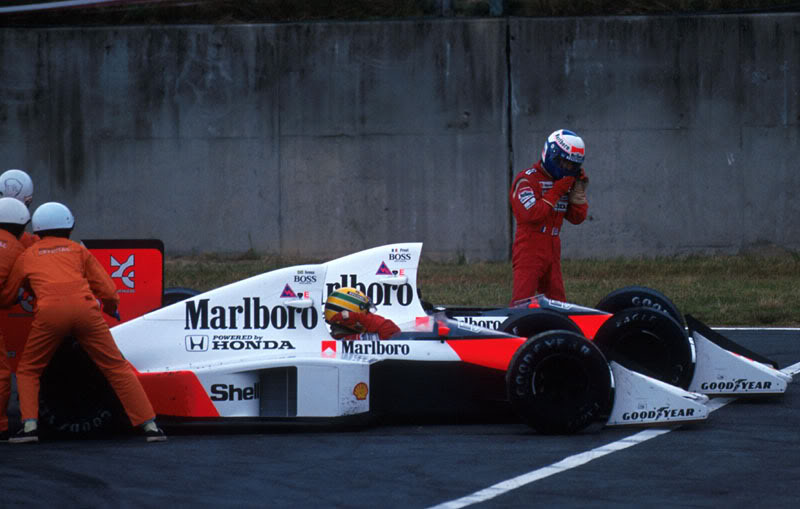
point(692, 127)
point(321, 139)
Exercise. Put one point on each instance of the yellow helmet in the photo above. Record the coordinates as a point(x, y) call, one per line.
point(350, 299)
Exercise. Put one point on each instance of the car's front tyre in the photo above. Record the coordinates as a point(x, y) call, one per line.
point(650, 342)
point(558, 382)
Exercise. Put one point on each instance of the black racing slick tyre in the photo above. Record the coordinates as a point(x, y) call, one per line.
point(558, 382)
point(176, 294)
point(75, 398)
point(650, 342)
point(639, 296)
point(536, 321)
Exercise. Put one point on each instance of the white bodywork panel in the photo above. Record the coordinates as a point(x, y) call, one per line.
point(720, 372)
point(641, 400)
point(230, 335)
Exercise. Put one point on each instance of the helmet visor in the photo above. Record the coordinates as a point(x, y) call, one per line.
point(569, 168)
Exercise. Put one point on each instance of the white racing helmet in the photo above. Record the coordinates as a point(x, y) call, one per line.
point(12, 211)
point(17, 184)
point(52, 216)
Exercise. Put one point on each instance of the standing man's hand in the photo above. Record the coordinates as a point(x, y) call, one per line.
point(560, 188)
point(577, 195)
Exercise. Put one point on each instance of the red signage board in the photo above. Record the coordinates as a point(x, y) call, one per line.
point(137, 268)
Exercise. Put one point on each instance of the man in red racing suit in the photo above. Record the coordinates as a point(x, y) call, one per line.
point(540, 203)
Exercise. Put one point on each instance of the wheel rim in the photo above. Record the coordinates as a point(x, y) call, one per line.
point(559, 378)
point(647, 353)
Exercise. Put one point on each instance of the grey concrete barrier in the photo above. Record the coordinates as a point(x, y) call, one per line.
point(324, 138)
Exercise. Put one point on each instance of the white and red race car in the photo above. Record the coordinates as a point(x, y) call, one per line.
point(260, 349)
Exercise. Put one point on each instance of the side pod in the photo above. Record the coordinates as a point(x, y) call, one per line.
point(725, 368)
point(640, 400)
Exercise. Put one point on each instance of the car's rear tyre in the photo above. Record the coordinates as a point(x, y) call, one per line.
point(639, 296)
point(75, 399)
point(558, 382)
point(537, 321)
point(650, 342)
point(176, 294)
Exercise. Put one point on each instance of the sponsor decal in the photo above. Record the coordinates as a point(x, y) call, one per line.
point(400, 255)
point(13, 186)
point(374, 348)
point(26, 299)
point(197, 343)
point(381, 294)
point(229, 392)
point(288, 292)
point(570, 149)
point(250, 314)
point(305, 277)
point(527, 198)
point(557, 304)
point(328, 349)
point(740, 384)
point(54, 250)
point(660, 413)
point(122, 272)
point(202, 343)
point(247, 342)
point(360, 391)
point(384, 270)
point(483, 321)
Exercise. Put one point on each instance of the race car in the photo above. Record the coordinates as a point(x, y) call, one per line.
point(259, 349)
point(635, 326)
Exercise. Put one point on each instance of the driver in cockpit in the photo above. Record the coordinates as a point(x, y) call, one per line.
point(351, 315)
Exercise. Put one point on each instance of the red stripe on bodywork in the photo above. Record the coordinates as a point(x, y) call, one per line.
point(177, 393)
point(492, 353)
point(590, 323)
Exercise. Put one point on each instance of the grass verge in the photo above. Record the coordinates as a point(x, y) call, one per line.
point(743, 290)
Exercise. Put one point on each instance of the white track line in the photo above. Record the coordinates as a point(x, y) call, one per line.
point(767, 329)
point(579, 459)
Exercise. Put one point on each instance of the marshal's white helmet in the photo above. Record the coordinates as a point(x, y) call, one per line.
point(12, 211)
point(17, 184)
point(52, 216)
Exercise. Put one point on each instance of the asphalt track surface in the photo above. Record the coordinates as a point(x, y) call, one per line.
point(747, 454)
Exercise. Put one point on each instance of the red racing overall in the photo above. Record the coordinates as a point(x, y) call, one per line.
point(539, 206)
